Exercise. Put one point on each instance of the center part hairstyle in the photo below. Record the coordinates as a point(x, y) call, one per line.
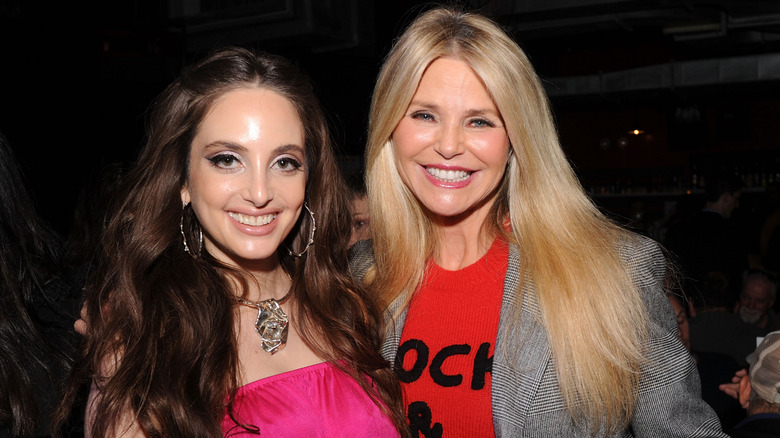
point(569, 251)
point(168, 317)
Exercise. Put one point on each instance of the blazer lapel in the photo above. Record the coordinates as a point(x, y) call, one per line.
point(522, 354)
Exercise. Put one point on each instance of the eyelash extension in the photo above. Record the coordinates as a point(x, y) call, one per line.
point(219, 159)
point(294, 162)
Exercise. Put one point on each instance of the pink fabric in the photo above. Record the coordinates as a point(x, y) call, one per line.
point(315, 401)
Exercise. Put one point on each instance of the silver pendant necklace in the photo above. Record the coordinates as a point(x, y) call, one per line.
point(271, 323)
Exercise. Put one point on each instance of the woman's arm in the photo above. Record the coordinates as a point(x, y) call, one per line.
point(126, 427)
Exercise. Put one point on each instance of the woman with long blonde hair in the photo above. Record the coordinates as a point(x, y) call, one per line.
point(518, 308)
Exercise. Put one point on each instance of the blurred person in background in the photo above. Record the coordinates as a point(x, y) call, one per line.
point(361, 220)
point(39, 301)
point(708, 245)
point(758, 391)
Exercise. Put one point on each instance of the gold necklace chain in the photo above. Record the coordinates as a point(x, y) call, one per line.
point(256, 305)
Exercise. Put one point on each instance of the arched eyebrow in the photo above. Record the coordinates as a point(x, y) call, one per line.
point(474, 112)
point(220, 144)
point(423, 105)
point(486, 112)
point(240, 149)
point(289, 148)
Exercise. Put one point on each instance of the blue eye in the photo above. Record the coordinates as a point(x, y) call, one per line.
point(426, 117)
point(482, 123)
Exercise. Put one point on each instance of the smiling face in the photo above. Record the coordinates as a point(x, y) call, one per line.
point(451, 147)
point(246, 179)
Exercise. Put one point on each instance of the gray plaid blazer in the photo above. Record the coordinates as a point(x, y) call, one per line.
point(526, 398)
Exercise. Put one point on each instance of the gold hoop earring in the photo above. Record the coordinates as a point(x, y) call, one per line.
point(311, 234)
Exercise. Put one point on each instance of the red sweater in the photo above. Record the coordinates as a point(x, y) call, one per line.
point(446, 352)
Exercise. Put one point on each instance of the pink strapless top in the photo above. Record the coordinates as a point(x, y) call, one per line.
point(314, 401)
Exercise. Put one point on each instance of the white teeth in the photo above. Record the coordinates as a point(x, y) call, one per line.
point(252, 220)
point(448, 175)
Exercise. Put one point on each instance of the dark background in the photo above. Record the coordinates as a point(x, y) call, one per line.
point(699, 77)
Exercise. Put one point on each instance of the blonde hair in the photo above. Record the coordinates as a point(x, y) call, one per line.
point(592, 310)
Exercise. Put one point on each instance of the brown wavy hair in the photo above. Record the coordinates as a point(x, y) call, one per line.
point(170, 317)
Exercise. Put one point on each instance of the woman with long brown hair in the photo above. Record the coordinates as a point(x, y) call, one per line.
point(224, 304)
